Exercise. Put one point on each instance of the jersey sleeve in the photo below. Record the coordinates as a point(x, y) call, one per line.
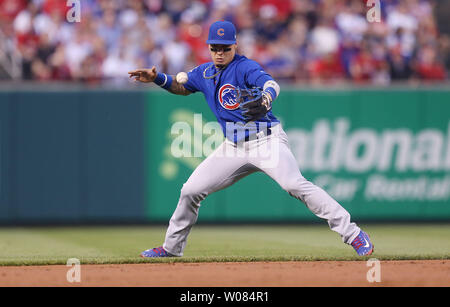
point(194, 83)
point(254, 74)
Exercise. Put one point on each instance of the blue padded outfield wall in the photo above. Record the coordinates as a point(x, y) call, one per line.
point(88, 156)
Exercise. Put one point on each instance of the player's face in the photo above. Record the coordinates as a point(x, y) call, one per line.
point(222, 55)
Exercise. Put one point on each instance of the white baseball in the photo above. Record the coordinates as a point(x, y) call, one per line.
point(182, 77)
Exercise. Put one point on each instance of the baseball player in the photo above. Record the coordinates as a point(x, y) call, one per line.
point(240, 94)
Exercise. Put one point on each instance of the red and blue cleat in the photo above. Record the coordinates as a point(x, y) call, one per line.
point(156, 252)
point(362, 244)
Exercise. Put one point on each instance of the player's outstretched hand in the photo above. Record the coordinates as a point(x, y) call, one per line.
point(144, 74)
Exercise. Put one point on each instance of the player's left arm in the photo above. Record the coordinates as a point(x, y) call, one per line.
point(256, 76)
point(271, 90)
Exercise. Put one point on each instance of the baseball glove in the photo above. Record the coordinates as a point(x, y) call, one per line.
point(254, 103)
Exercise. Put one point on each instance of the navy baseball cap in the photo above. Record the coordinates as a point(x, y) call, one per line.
point(222, 33)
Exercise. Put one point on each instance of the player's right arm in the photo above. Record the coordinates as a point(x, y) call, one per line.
point(147, 75)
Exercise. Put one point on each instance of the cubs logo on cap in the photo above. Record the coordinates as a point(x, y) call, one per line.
point(227, 97)
point(222, 33)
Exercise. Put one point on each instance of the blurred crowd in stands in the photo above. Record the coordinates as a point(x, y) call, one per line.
point(297, 41)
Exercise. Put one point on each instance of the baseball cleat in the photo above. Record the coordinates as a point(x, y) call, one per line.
point(156, 252)
point(362, 244)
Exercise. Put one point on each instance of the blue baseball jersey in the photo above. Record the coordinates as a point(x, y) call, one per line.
point(220, 94)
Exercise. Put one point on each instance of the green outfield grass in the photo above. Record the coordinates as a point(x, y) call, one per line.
point(98, 245)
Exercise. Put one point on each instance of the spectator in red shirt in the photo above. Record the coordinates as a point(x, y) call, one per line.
point(60, 70)
point(52, 6)
point(428, 66)
point(363, 66)
point(327, 68)
point(10, 8)
point(283, 8)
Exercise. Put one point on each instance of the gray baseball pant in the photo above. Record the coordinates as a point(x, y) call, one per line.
point(230, 162)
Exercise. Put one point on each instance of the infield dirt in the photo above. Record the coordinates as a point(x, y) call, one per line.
point(235, 274)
